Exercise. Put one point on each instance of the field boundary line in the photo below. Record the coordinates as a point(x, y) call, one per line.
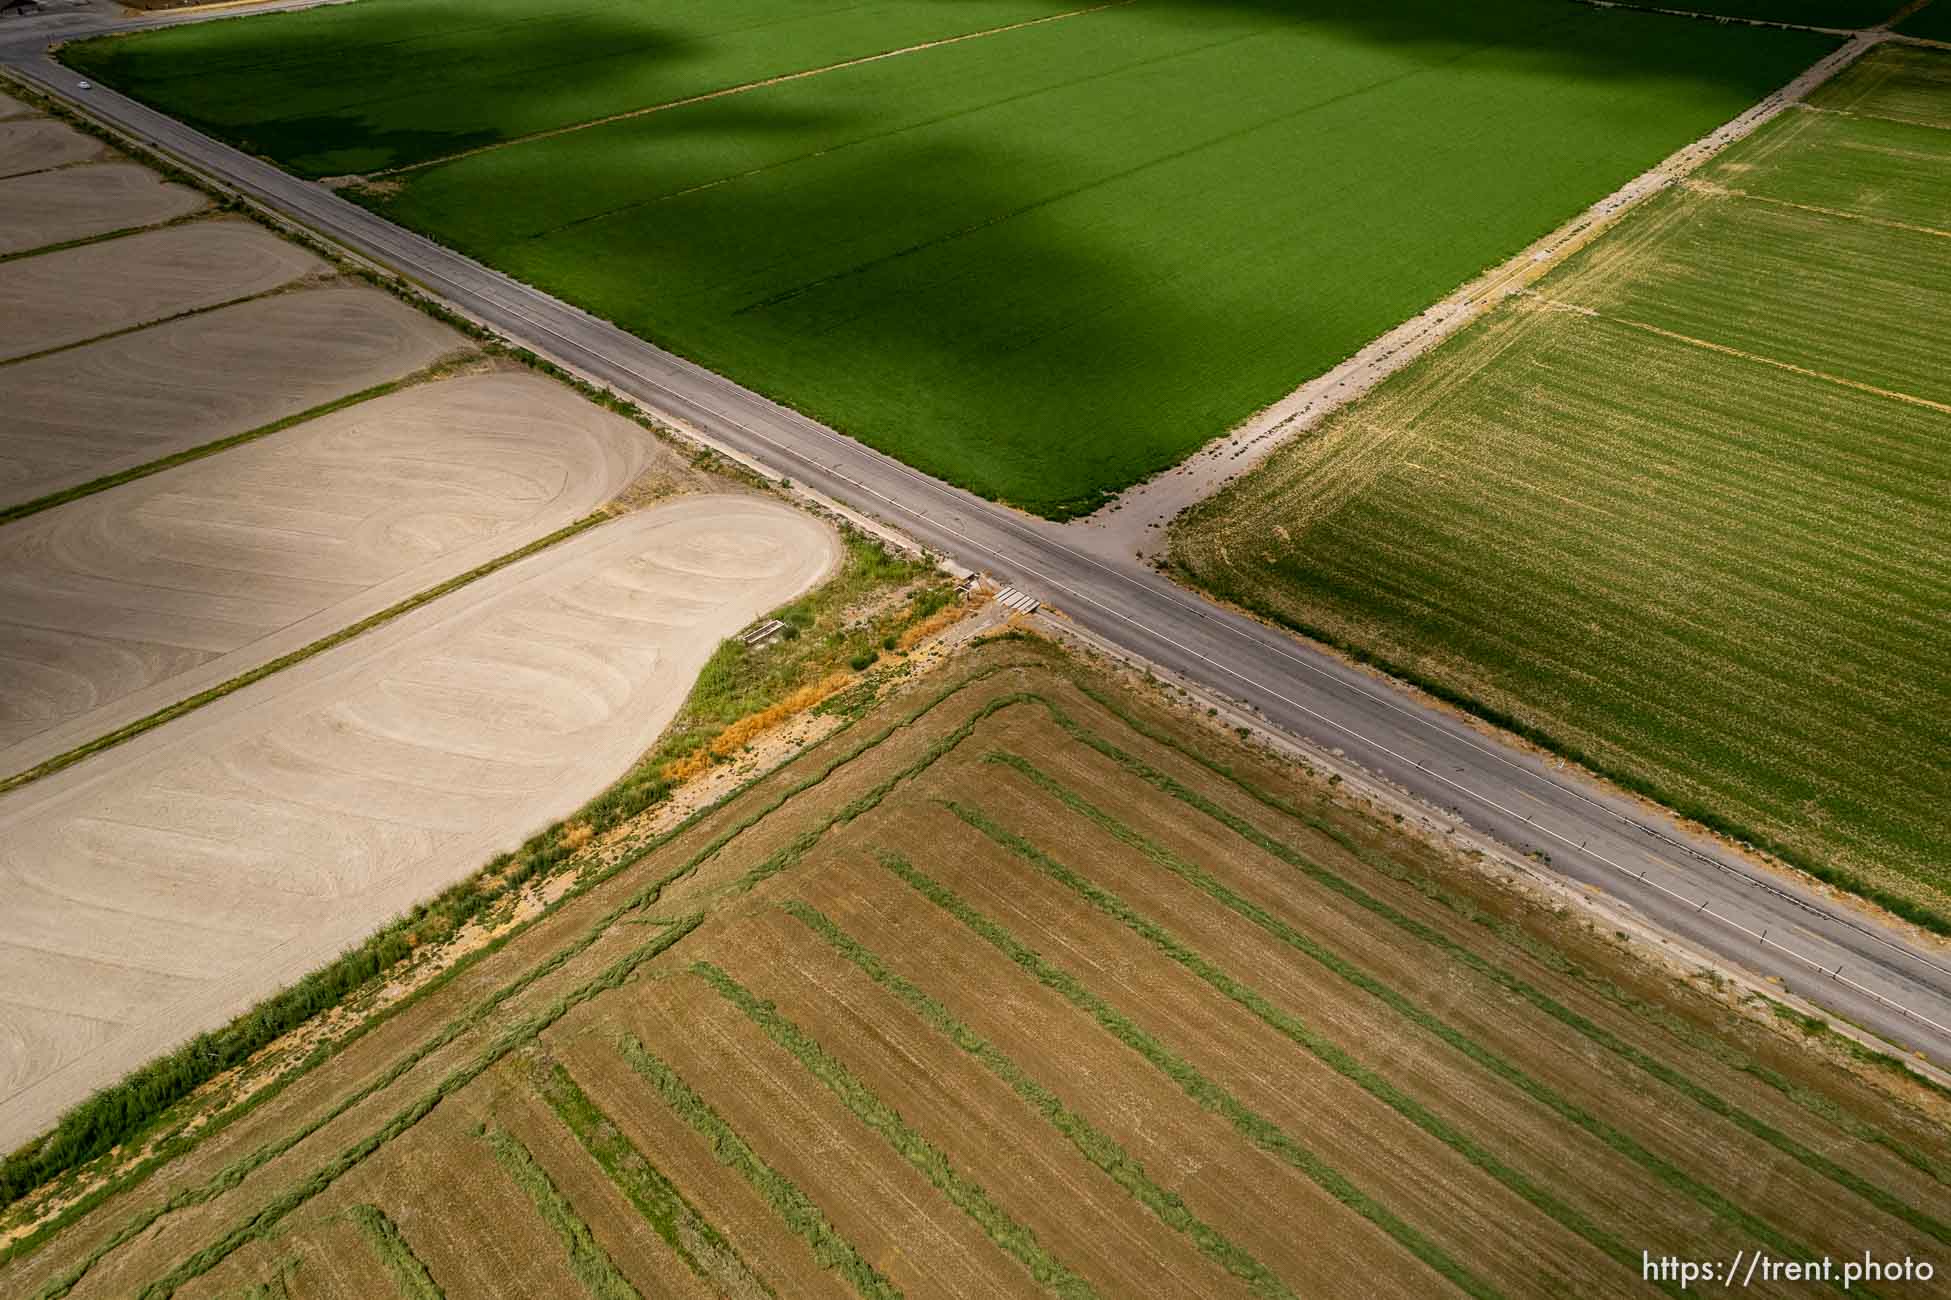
point(170, 712)
point(1874, 117)
point(1013, 1238)
point(301, 282)
point(1099, 1148)
point(1731, 20)
point(1121, 522)
point(1710, 188)
point(1622, 1143)
point(82, 241)
point(62, 496)
point(1538, 998)
point(726, 91)
point(1558, 304)
point(1255, 1128)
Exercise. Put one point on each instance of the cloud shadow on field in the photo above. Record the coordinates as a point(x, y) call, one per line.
point(1042, 264)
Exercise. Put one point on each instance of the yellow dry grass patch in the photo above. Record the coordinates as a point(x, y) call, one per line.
point(746, 729)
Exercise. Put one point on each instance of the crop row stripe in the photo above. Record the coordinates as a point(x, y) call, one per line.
point(1013, 1238)
point(1537, 949)
point(793, 1206)
point(257, 1224)
point(410, 1277)
point(1257, 1129)
point(1318, 1045)
point(691, 1237)
point(1099, 1148)
point(1605, 1038)
point(1564, 1107)
point(234, 1173)
point(588, 1260)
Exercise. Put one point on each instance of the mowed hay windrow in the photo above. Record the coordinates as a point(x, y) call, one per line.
point(82, 202)
point(33, 144)
point(964, 1027)
point(1677, 512)
point(77, 294)
point(163, 888)
point(127, 600)
point(106, 407)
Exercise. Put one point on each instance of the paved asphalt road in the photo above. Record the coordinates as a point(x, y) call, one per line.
point(1681, 884)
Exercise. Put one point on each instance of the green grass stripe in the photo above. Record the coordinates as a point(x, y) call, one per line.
point(1013, 1238)
point(233, 1174)
point(256, 1225)
point(588, 1260)
point(170, 712)
point(799, 1213)
point(670, 1215)
point(1605, 1038)
point(1099, 1148)
point(21, 510)
point(1668, 1174)
point(1296, 1031)
point(410, 1277)
point(1538, 949)
point(1263, 1133)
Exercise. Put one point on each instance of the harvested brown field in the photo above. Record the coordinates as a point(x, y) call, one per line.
point(70, 296)
point(163, 887)
point(127, 600)
point(1025, 982)
point(104, 408)
point(74, 203)
point(34, 144)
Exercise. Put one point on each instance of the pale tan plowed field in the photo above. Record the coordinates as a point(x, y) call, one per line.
point(11, 107)
point(82, 293)
point(85, 412)
point(32, 144)
point(163, 886)
point(121, 602)
point(82, 202)
point(1021, 984)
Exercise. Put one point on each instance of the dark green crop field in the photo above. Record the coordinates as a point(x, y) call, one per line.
point(1681, 512)
point(1043, 262)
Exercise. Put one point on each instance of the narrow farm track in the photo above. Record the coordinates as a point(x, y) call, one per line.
point(1681, 882)
point(804, 1040)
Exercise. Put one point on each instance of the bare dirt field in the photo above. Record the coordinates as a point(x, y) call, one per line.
point(33, 144)
point(72, 203)
point(11, 107)
point(162, 887)
point(116, 604)
point(85, 412)
point(81, 293)
point(1024, 983)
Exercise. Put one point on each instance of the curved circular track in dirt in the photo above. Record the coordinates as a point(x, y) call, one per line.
point(165, 885)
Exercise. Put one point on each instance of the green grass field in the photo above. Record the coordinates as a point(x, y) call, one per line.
point(1681, 512)
point(1042, 263)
